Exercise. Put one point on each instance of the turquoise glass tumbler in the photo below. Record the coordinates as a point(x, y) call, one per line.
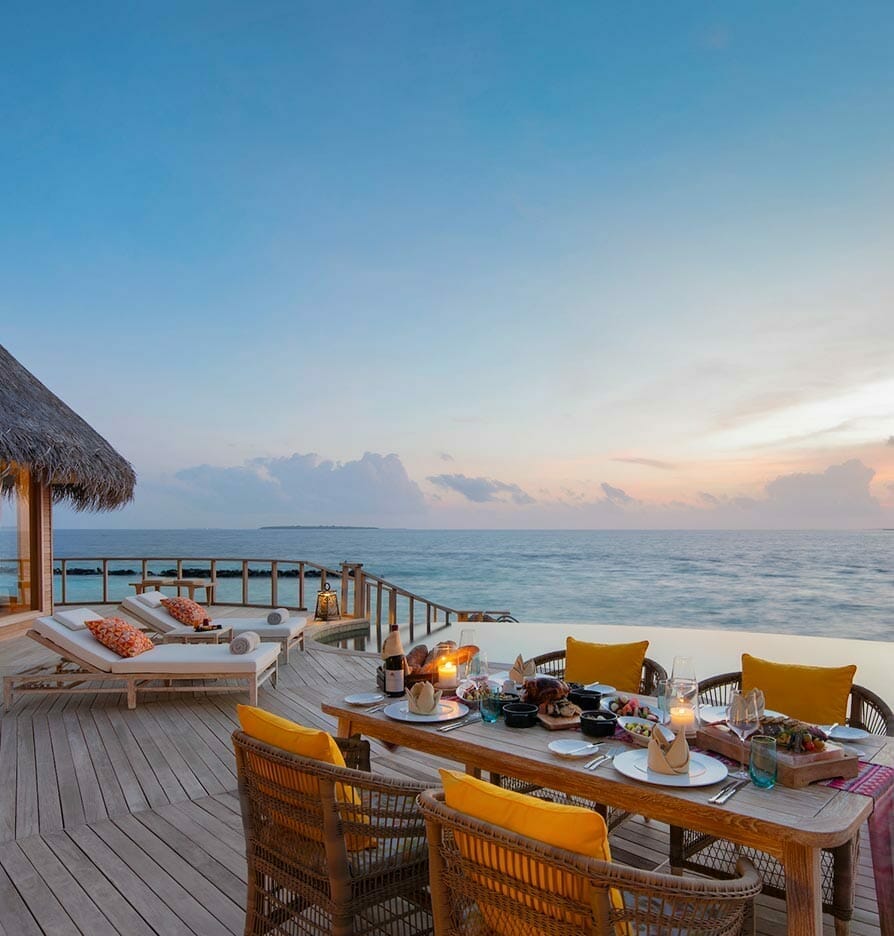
point(491, 707)
point(763, 763)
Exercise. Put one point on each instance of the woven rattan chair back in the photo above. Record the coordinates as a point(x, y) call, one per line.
point(330, 849)
point(488, 881)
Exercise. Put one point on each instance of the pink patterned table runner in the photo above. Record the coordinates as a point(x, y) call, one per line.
point(877, 781)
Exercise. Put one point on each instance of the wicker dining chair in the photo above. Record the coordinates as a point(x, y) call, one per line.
point(330, 849)
point(717, 857)
point(540, 889)
point(553, 664)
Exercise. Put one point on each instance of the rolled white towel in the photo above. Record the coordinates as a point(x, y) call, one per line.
point(244, 642)
point(278, 616)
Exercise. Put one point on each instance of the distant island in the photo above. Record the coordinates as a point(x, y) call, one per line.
point(300, 527)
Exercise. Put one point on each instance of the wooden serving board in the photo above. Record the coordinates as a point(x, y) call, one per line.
point(558, 724)
point(795, 770)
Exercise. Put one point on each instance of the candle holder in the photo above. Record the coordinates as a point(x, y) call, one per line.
point(447, 675)
point(683, 706)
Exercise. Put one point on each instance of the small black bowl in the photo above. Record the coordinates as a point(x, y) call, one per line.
point(520, 715)
point(598, 724)
point(507, 698)
point(587, 700)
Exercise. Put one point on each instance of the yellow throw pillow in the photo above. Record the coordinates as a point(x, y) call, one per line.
point(306, 742)
point(814, 694)
point(619, 665)
point(569, 827)
point(288, 735)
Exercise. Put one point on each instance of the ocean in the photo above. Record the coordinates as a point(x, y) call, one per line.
point(837, 584)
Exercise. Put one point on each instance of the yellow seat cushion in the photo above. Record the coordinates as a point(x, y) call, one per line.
point(288, 735)
point(306, 742)
point(620, 665)
point(573, 828)
point(814, 694)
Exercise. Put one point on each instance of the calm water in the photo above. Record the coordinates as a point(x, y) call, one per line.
point(824, 583)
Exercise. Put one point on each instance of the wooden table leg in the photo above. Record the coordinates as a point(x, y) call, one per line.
point(345, 727)
point(803, 890)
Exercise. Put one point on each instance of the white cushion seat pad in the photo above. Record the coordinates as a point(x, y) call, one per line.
point(159, 619)
point(292, 628)
point(80, 644)
point(196, 659)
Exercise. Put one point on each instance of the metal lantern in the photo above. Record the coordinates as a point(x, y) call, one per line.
point(327, 605)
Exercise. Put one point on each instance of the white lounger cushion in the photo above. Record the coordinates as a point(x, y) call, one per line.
point(152, 599)
point(170, 658)
point(164, 623)
point(76, 618)
point(197, 658)
point(80, 643)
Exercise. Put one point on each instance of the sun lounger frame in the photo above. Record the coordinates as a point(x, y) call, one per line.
point(70, 674)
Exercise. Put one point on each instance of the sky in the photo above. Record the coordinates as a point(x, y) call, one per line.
point(501, 265)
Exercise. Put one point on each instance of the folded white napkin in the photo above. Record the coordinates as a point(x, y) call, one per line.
point(152, 599)
point(244, 642)
point(668, 757)
point(423, 698)
point(278, 616)
point(522, 671)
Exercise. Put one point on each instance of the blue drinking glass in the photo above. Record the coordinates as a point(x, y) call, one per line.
point(763, 763)
point(491, 707)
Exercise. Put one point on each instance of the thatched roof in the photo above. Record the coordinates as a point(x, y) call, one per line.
point(40, 433)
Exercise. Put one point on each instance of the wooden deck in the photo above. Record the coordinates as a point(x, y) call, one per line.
point(117, 821)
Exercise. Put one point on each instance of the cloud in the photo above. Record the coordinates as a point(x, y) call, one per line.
point(840, 494)
point(616, 495)
point(374, 490)
point(482, 490)
point(445, 456)
point(648, 462)
point(707, 498)
point(890, 440)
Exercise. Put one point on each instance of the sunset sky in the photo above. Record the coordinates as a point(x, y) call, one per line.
point(461, 265)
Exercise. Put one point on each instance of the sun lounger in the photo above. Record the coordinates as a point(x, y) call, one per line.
point(88, 666)
point(286, 635)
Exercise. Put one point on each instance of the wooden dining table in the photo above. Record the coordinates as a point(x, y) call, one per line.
point(793, 825)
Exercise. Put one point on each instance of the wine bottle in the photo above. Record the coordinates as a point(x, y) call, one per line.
point(395, 663)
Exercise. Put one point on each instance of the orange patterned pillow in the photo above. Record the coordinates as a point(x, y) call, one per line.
point(186, 611)
point(119, 636)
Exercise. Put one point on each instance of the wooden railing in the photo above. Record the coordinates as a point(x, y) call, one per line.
point(362, 595)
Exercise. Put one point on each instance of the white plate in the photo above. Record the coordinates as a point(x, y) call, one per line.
point(703, 770)
point(571, 747)
point(600, 687)
point(365, 698)
point(446, 711)
point(846, 733)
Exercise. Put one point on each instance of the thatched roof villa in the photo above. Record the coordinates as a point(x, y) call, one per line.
point(48, 454)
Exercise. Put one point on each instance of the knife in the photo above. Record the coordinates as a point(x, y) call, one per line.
point(728, 792)
point(466, 721)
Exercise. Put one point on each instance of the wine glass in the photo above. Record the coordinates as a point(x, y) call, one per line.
point(478, 669)
point(466, 639)
point(743, 718)
point(683, 682)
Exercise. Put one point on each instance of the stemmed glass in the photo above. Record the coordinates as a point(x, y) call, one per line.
point(478, 669)
point(743, 716)
point(466, 639)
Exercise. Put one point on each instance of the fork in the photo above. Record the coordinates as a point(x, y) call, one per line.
point(599, 761)
point(728, 791)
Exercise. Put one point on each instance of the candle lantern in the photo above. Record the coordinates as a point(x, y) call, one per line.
point(682, 706)
point(327, 605)
point(446, 674)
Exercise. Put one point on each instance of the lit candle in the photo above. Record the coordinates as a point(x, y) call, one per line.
point(446, 675)
point(682, 718)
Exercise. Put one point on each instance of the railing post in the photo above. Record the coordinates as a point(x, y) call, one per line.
point(359, 608)
point(144, 569)
point(344, 589)
point(179, 571)
point(301, 605)
point(274, 584)
point(392, 607)
point(105, 581)
point(64, 568)
point(245, 581)
point(412, 622)
point(427, 617)
point(379, 613)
